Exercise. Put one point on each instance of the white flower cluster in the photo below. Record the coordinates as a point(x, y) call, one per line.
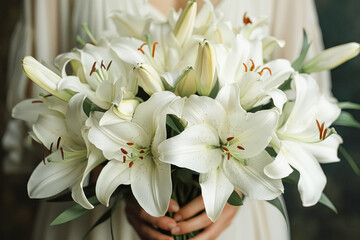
point(217, 81)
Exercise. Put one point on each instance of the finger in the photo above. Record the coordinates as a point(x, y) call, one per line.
point(215, 229)
point(190, 209)
point(146, 232)
point(165, 223)
point(193, 224)
point(173, 206)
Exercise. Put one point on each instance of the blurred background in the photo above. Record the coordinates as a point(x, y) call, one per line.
point(340, 23)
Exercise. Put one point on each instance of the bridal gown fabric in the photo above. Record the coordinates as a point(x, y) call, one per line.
point(48, 28)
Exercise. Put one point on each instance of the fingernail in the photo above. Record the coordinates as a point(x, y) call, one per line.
point(177, 217)
point(175, 207)
point(175, 230)
point(172, 225)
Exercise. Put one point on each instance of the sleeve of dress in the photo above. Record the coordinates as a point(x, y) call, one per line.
point(287, 21)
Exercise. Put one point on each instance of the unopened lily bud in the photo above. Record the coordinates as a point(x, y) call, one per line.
point(44, 77)
point(186, 85)
point(185, 24)
point(148, 78)
point(332, 57)
point(205, 68)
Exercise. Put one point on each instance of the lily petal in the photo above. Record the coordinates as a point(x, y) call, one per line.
point(51, 178)
point(215, 189)
point(196, 148)
point(250, 179)
point(151, 185)
point(112, 175)
point(95, 159)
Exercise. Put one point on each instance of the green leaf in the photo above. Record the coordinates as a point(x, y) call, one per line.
point(277, 203)
point(215, 90)
point(235, 199)
point(73, 212)
point(326, 201)
point(298, 63)
point(350, 160)
point(346, 119)
point(184, 175)
point(174, 123)
point(349, 105)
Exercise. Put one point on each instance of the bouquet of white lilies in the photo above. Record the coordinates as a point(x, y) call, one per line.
point(190, 103)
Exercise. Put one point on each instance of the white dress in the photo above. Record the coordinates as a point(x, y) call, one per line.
point(55, 27)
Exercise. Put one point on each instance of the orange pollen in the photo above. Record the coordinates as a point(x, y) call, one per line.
point(265, 68)
point(93, 69)
point(153, 51)
point(131, 163)
point(228, 156)
point(246, 19)
point(107, 69)
point(252, 65)
point(102, 64)
point(240, 147)
point(123, 151)
point(225, 148)
point(245, 67)
point(229, 139)
point(141, 157)
point(37, 101)
point(124, 159)
point(142, 151)
point(58, 143)
point(324, 134)
point(140, 48)
point(44, 159)
point(51, 146)
point(62, 153)
point(130, 143)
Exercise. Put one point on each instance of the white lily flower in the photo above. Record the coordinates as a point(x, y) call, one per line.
point(242, 65)
point(305, 140)
point(44, 78)
point(205, 67)
point(98, 73)
point(132, 150)
point(226, 146)
point(332, 57)
point(71, 157)
point(120, 113)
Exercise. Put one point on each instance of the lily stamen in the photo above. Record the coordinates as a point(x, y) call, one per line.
point(228, 156)
point(229, 139)
point(140, 48)
point(225, 148)
point(37, 101)
point(58, 143)
point(153, 51)
point(124, 159)
point(240, 147)
point(93, 69)
point(246, 19)
point(265, 68)
point(62, 153)
point(102, 64)
point(48, 95)
point(322, 133)
point(123, 151)
point(107, 69)
point(246, 69)
point(130, 143)
point(131, 164)
point(252, 65)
